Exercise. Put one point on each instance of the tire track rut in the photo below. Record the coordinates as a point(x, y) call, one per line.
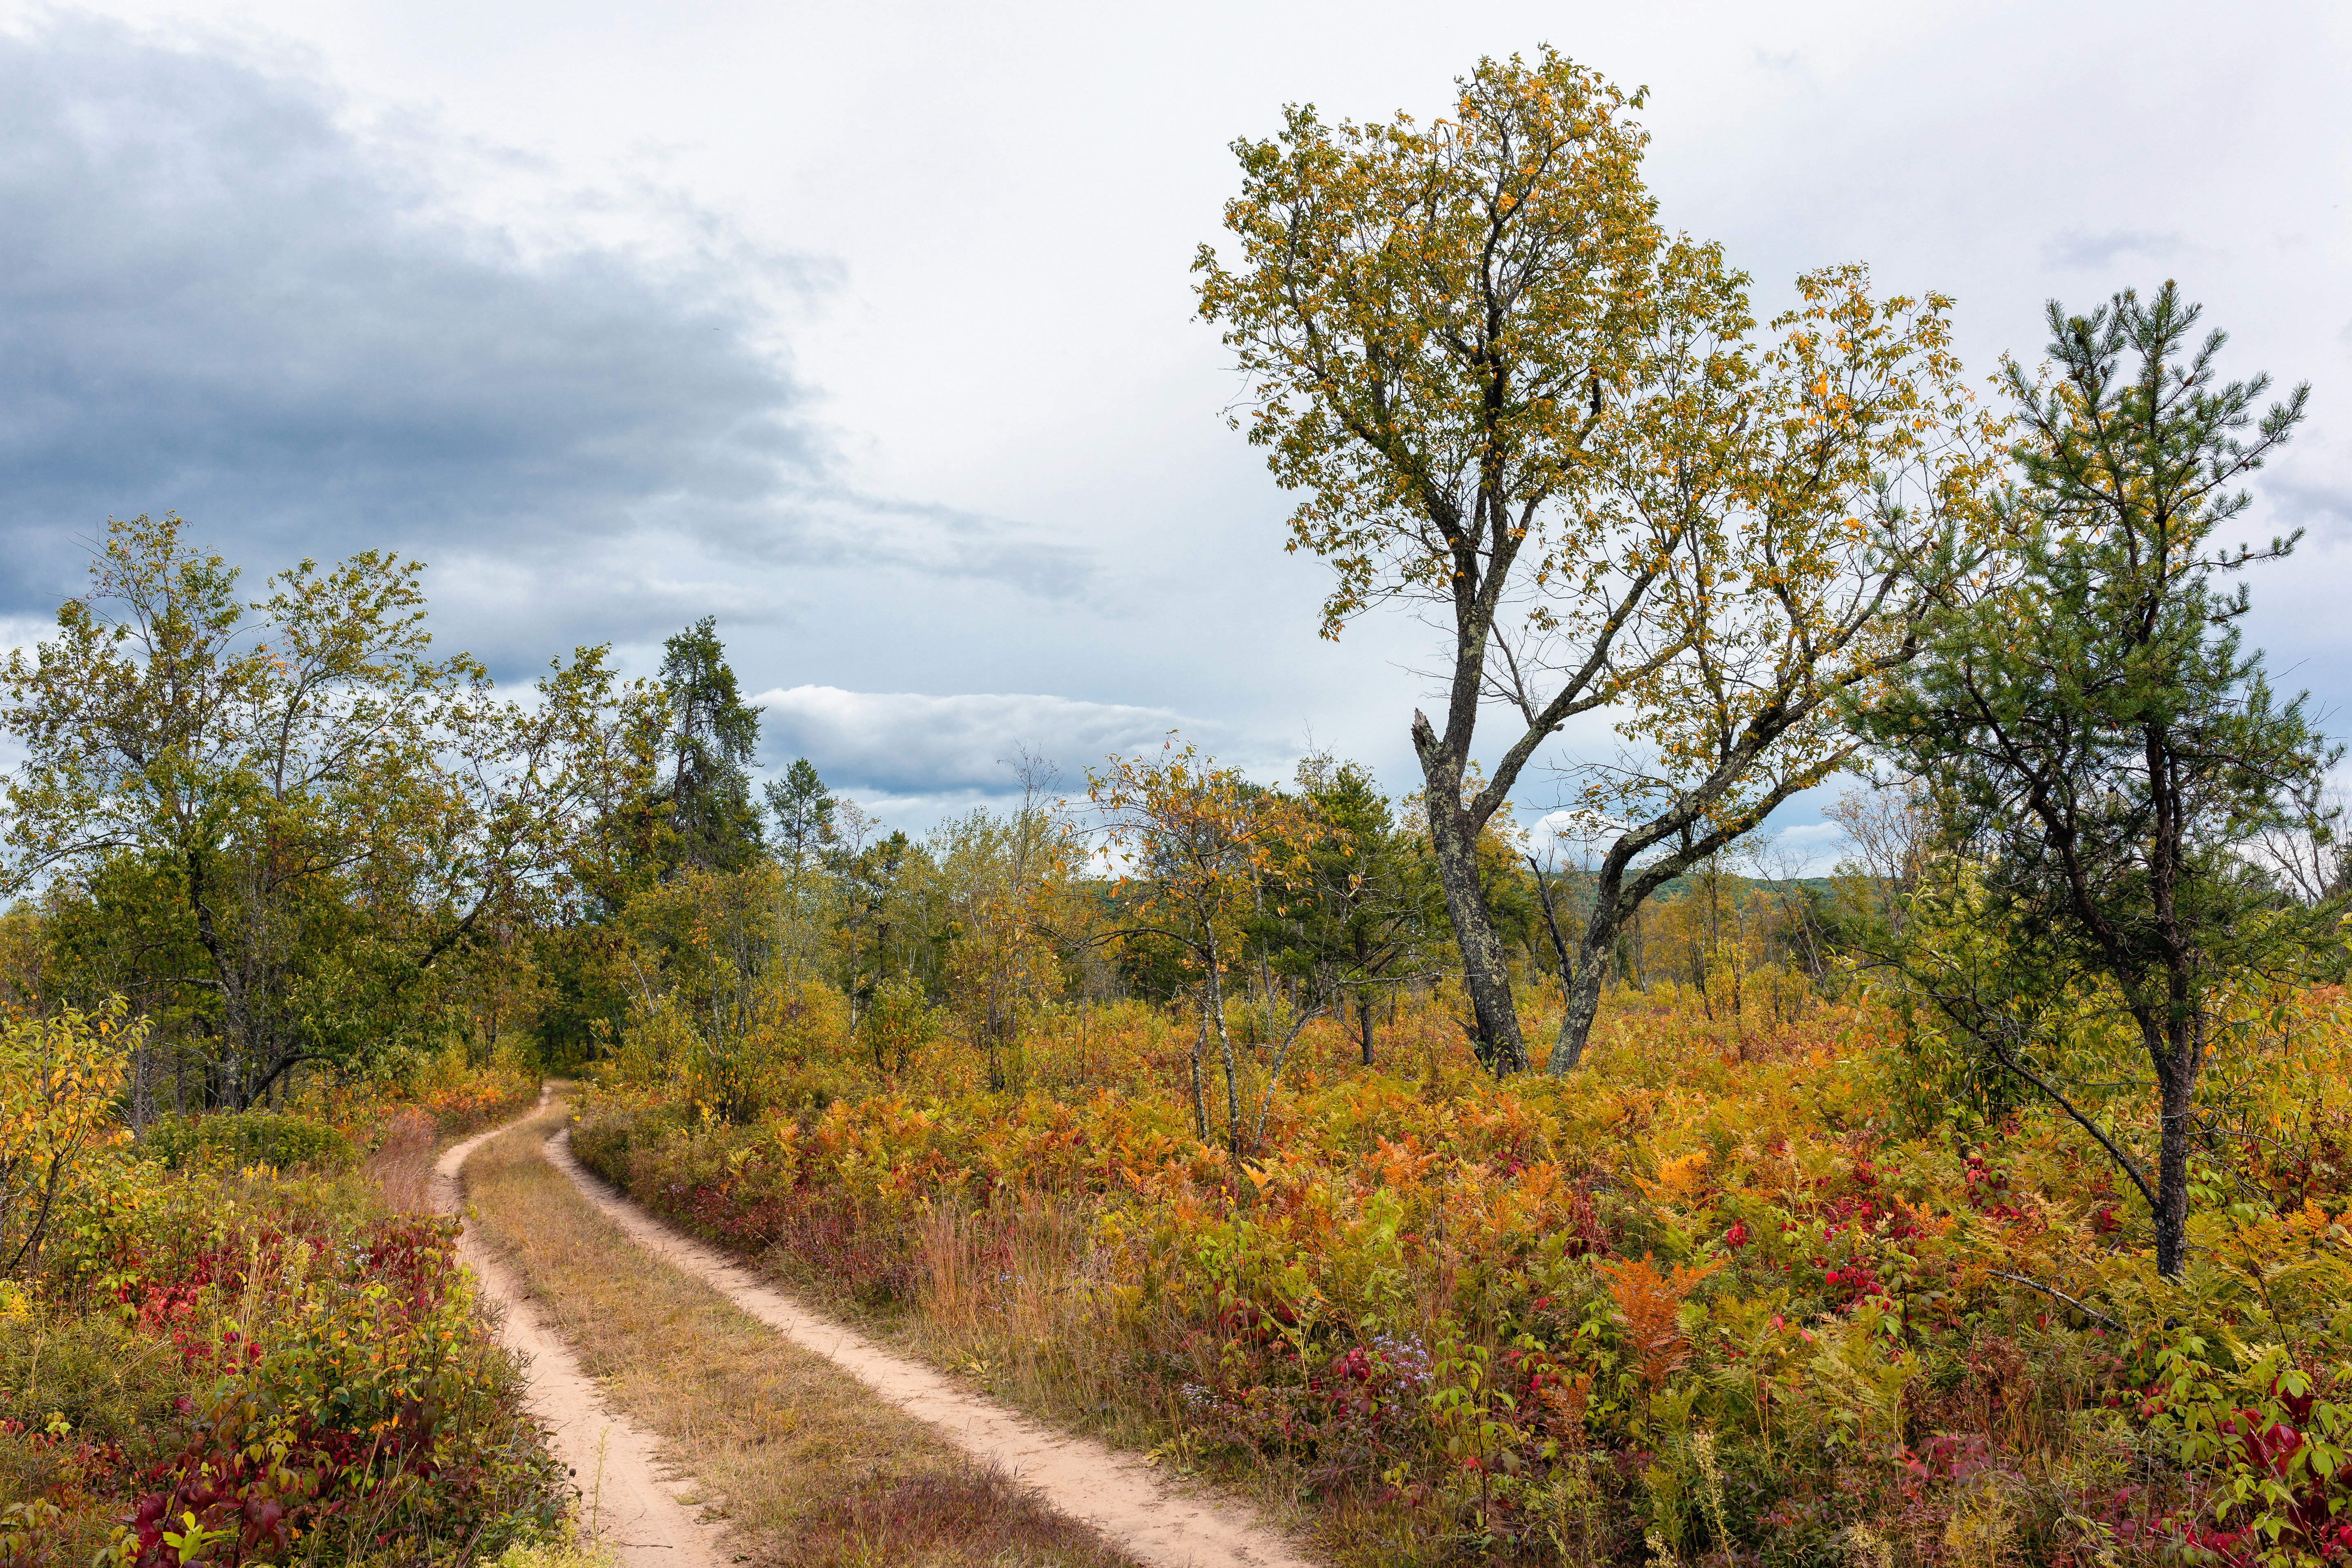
point(627, 1490)
point(1136, 1507)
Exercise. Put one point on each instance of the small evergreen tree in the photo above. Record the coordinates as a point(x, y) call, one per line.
point(802, 808)
point(2102, 741)
point(713, 733)
point(1367, 907)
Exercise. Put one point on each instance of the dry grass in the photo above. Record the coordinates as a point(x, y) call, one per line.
point(401, 1165)
point(810, 1466)
point(1011, 1298)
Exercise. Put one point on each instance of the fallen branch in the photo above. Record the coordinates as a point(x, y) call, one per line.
point(2061, 1295)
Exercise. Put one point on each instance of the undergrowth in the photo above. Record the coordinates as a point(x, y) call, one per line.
point(240, 1344)
point(1729, 1296)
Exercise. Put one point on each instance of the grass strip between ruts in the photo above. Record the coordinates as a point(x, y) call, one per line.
point(810, 1467)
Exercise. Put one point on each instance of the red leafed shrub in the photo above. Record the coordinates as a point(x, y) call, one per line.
point(353, 1404)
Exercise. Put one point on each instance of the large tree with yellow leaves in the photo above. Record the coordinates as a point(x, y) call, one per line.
point(1508, 395)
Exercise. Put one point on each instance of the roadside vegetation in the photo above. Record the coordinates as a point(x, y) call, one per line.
point(809, 1468)
point(1781, 1290)
point(241, 1340)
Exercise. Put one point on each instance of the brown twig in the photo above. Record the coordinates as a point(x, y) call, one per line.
point(2061, 1295)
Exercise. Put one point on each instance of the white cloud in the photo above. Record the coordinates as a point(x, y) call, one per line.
point(908, 744)
point(2073, 250)
point(1807, 850)
point(1800, 849)
point(218, 299)
point(322, 280)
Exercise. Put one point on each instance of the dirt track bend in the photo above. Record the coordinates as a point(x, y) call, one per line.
point(621, 1477)
point(1136, 1508)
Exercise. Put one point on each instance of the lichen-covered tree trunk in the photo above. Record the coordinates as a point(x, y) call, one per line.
point(1486, 976)
point(1613, 905)
point(1582, 1001)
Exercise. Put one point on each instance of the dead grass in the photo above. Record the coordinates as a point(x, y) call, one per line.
point(1011, 1298)
point(401, 1165)
point(808, 1465)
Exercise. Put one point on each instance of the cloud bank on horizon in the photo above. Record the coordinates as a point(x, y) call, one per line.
point(904, 745)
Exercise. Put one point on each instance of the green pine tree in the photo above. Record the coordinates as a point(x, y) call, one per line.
point(803, 809)
point(713, 734)
point(2106, 744)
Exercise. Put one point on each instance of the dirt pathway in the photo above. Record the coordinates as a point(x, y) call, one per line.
point(1134, 1507)
point(627, 1494)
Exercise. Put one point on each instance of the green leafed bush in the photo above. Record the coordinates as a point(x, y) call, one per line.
point(246, 1138)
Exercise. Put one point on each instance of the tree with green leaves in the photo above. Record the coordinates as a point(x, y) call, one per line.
point(884, 886)
point(256, 755)
point(1009, 895)
point(713, 736)
point(1363, 908)
point(805, 834)
point(284, 820)
point(1510, 395)
point(1207, 848)
point(803, 809)
point(2103, 746)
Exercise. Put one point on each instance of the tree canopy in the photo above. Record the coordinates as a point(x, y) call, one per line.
point(1508, 394)
point(714, 735)
point(287, 812)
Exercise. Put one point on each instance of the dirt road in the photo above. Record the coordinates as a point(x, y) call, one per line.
point(628, 1495)
point(633, 1495)
point(1134, 1506)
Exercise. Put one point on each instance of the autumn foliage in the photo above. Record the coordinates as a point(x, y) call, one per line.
point(1719, 1299)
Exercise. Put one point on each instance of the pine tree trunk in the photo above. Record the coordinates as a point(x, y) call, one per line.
point(2177, 1081)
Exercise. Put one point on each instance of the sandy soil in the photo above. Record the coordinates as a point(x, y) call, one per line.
point(1136, 1507)
point(627, 1494)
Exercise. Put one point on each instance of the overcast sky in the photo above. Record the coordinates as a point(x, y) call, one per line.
point(868, 328)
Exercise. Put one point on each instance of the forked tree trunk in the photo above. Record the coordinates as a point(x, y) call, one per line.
point(1454, 836)
point(1583, 1005)
point(1614, 904)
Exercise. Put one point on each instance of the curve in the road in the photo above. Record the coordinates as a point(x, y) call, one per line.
point(1136, 1507)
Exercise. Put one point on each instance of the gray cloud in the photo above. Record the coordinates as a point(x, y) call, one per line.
point(215, 300)
point(2077, 251)
point(2320, 502)
point(844, 526)
point(906, 744)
